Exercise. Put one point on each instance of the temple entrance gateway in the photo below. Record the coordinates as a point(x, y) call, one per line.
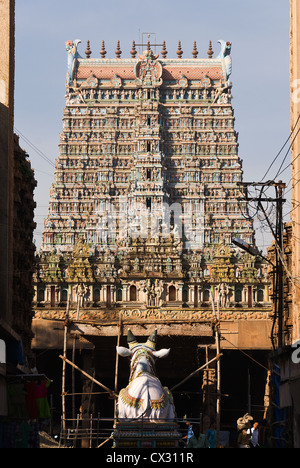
point(145, 201)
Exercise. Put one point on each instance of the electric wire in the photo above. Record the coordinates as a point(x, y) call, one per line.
point(278, 154)
point(281, 255)
point(286, 154)
point(243, 352)
point(35, 148)
point(286, 167)
point(288, 191)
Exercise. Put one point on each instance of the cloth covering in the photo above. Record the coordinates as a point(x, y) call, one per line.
point(28, 400)
point(31, 403)
point(42, 401)
point(16, 401)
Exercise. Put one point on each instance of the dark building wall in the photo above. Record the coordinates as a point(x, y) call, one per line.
point(23, 246)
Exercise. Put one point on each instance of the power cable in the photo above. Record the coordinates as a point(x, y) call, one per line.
point(286, 167)
point(278, 154)
point(287, 153)
point(39, 152)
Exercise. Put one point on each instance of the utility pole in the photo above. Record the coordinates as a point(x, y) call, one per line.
point(277, 233)
point(279, 262)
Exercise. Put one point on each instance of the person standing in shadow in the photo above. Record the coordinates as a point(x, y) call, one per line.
point(198, 440)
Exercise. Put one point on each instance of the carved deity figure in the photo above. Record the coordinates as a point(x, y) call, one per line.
point(81, 292)
point(223, 291)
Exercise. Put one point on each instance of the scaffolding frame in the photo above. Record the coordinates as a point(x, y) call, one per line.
point(77, 428)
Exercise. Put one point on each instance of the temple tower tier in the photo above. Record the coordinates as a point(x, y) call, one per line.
point(148, 145)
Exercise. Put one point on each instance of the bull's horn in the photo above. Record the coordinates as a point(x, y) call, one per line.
point(153, 336)
point(151, 342)
point(131, 339)
point(130, 336)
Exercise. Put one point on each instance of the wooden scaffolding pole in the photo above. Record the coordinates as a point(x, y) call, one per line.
point(63, 390)
point(117, 367)
point(73, 359)
point(217, 341)
point(111, 392)
point(216, 358)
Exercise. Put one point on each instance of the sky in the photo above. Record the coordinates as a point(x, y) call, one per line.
point(258, 30)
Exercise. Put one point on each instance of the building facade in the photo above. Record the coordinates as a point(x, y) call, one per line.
point(286, 359)
point(145, 202)
point(16, 247)
point(148, 177)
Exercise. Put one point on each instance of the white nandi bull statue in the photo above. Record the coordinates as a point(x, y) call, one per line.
point(144, 396)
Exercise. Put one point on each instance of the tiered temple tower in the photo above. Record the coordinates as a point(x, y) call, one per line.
point(145, 202)
point(146, 197)
point(148, 145)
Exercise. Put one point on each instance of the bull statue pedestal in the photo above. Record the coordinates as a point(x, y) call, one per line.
point(145, 411)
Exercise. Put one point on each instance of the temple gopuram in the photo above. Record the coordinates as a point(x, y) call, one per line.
point(146, 199)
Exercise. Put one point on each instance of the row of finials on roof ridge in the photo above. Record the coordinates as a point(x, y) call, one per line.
point(133, 50)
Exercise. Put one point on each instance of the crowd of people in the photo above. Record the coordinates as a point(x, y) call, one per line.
point(251, 436)
point(195, 439)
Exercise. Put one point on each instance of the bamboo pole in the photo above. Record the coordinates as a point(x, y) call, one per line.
point(217, 340)
point(216, 358)
point(73, 358)
point(63, 391)
point(111, 392)
point(117, 367)
point(109, 438)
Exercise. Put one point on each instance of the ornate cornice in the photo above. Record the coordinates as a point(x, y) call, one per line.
point(153, 315)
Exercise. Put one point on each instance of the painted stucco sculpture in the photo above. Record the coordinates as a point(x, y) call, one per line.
point(144, 396)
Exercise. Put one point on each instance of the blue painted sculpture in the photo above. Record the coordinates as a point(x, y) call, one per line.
point(225, 55)
point(71, 48)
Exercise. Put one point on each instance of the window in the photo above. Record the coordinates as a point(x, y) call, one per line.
point(260, 295)
point(41, 295)
point(119, 294)
point(185, 295)
point(172, 293)
point(52, 296)
point(132, 294)
point(206, 295)
point(108, 296)
point(238, 295)
point(196, 296)
point(96, 295)
point(64, 295)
